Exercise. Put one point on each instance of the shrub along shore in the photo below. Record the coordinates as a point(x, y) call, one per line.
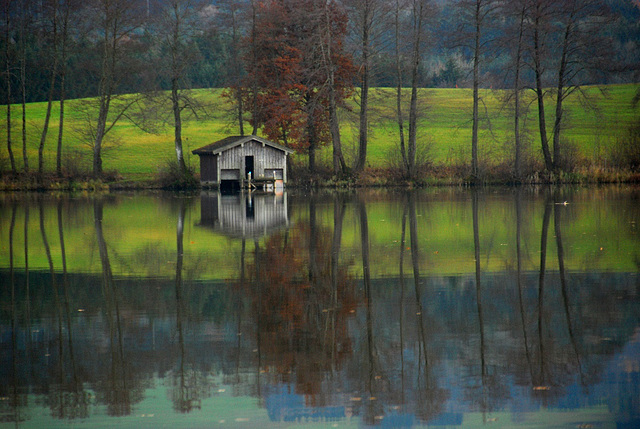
point(601, 144)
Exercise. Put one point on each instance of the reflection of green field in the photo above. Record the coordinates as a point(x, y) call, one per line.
point(598, 229)
point(445, 123)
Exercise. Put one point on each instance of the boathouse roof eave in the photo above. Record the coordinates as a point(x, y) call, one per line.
point(233, 141)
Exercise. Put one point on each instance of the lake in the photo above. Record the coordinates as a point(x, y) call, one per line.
point(443, 307)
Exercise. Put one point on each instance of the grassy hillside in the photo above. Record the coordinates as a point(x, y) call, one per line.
point(444, 123)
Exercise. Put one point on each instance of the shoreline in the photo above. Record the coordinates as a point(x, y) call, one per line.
point(369, 179)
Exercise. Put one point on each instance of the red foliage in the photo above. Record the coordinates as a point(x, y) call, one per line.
point(294, 299)
point(287, 83)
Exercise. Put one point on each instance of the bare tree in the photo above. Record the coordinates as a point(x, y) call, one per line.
point(331, 58)
point(568, 41)
point(232, 13)
point(516, 92)
point(513, 42)
point(540, 20)
point(24, 12)
point(117, 21)
point(399, 73)
point(255, 116)
point(475, 17)
point(365, 15)
point(65, 41)
point(584, 49)
point(178, 24)
point(6, 8)
point(51, 12)
point(419, 14)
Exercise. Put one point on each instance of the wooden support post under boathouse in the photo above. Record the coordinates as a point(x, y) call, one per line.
point(243, 162)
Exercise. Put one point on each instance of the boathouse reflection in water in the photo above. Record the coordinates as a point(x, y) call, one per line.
point(245, 215)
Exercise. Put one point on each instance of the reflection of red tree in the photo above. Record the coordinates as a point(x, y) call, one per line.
point(301, 314)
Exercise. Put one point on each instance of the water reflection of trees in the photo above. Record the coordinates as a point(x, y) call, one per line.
point(429, 396)
point(301, 296)
point(552, 356)
point(67, 397)
point(12, 409)
point(314, 319)
point(119, 386)
point(188, 383)
point(485, 387)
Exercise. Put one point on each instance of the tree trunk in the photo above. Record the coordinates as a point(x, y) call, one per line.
point(475, 175)
point(9, 149)
point(399, 115)
point(413, 123)
point(8, 81)
point(106, 91)
point(25, 157)
point(23, 85)
point(516, 119)
point(339, 165)
point(542, 124)
point(175, 89)
point(364, 92)
point(177, 123)
point(52, 84)
point(254, 83)
point(105, 101)
point(61, 123)
point(413, 107)
point(47, 118)
point(63, 75)
point(557, 161)
point(240, 110)
point(311, 135)
point(236, 67)
point(100, 132)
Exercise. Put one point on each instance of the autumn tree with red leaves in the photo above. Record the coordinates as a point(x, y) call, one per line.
point(300, 74)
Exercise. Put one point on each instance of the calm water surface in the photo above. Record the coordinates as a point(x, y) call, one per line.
point(491, 308)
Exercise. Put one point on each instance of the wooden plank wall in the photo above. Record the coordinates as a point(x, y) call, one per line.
point(208, 168)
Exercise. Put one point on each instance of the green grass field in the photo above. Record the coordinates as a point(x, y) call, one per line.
point(445, 130)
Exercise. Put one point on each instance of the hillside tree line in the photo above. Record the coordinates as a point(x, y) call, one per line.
point(288, 66)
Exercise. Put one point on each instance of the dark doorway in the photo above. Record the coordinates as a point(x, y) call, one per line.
point(229, 187)
point(248, 166)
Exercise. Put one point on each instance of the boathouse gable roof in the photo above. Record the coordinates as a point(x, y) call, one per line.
point(233, 141)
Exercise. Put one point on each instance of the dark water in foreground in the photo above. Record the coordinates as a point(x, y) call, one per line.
point(440, 308)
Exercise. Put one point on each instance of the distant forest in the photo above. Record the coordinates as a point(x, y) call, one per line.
point(27, 25)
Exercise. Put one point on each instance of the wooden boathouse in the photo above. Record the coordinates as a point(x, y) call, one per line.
point(240, 162)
